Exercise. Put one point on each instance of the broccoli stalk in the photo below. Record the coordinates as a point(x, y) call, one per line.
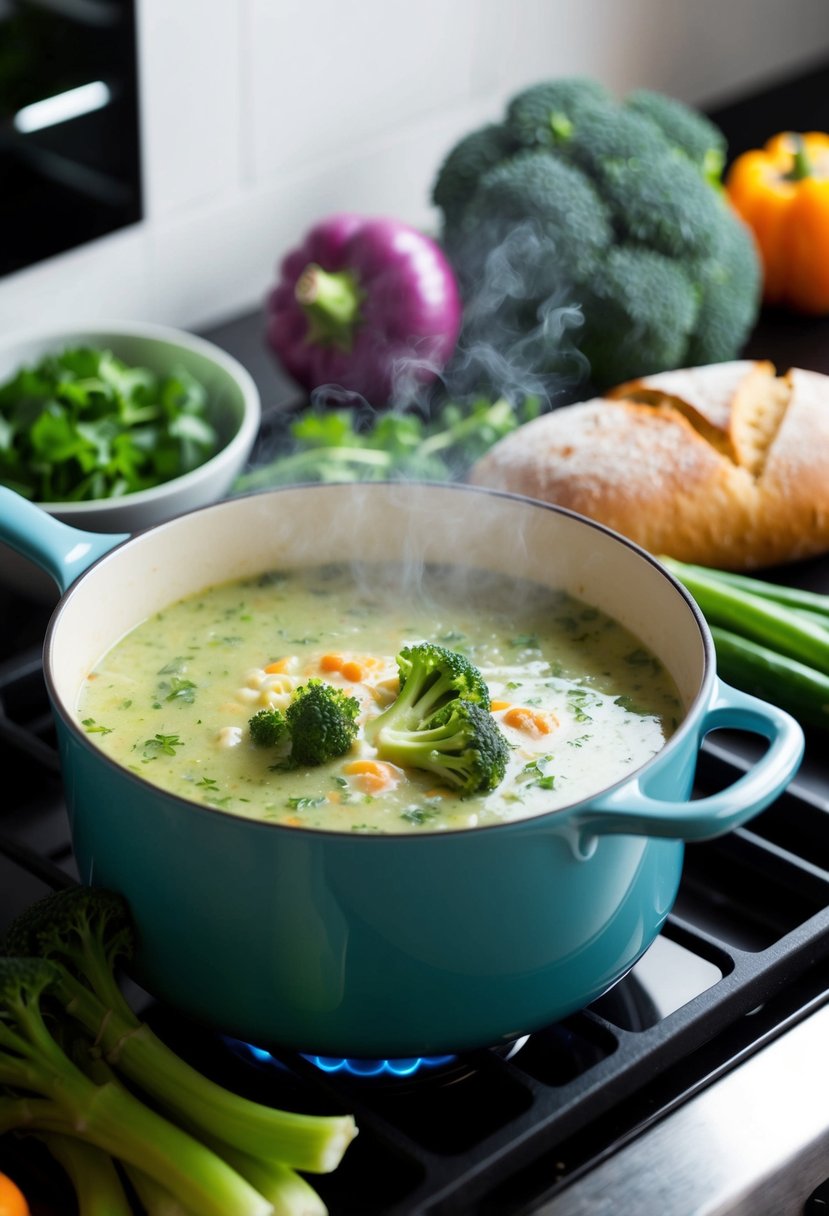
point(462, 746)
point(440, 721)
point(84, 933)
point(154, 1199)
point(287, 1191)
point(65, 1101)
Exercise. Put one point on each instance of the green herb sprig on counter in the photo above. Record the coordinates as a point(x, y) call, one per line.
point(771, 640)
point(82, 424)
point(335, 445)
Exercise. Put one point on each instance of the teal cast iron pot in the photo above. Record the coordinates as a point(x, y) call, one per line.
point(387, 945)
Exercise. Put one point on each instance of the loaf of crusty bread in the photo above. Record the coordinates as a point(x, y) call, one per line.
point(725, 465)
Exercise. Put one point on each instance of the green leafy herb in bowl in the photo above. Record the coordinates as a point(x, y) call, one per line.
point(118, 428)
point(82, 424)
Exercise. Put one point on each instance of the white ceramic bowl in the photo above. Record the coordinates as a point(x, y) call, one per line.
point(233, 408)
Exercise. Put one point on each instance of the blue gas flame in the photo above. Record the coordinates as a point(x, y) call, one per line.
point(355, 1067)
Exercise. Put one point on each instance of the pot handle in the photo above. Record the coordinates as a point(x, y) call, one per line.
point(62, 551)
point(628, 809)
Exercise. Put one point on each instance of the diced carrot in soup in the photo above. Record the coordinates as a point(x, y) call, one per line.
point(531, 721)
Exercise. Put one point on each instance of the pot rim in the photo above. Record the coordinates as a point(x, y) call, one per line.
point(559, 814)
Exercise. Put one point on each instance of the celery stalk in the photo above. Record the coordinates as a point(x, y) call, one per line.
point(93, 1175)
point(315, 1143)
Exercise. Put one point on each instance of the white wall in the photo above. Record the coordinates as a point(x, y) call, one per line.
point(259, 116)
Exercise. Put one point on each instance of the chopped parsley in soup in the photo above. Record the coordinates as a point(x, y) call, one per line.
point(578, 700)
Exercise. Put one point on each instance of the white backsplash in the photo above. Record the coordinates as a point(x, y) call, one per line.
point(260, 116)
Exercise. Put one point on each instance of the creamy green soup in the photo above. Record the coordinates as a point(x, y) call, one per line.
point(580, 701)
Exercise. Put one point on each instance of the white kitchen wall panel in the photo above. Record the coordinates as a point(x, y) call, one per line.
point(192, 114)
point(328, 76)
point(259, 116)
point(105, 280)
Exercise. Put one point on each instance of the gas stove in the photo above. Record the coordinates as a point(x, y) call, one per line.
point(697, 1085)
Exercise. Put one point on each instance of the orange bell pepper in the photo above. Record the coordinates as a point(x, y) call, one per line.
point(12, 1202)
point(782, 193)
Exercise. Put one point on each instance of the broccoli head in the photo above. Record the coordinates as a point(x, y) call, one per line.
point(728, 283)
point(23, 981)
point(440, 721)
point(268, 727)
point(642, 301)
point(625, 207)
point(684, 128)
point(430, 678)
point(544, 115)
point(322, 721)
point(86, 930)
point(461, 745)
point(466, 164)
point(550, 199)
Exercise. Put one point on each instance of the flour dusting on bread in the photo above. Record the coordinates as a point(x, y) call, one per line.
point(721, 465)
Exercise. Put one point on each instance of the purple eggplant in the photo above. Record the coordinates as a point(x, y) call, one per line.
point(370, 305)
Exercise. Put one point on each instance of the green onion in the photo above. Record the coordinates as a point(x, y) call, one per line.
point(794, 686)
point(771, 641)
point(751, 614)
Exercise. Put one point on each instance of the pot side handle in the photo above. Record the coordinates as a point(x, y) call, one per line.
point(628, 809)
point(62, 551)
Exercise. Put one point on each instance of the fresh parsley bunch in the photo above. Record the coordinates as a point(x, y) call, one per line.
point(82, 425)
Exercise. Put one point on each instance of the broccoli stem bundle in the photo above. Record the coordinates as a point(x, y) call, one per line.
point(106, 1116)
point(235, 1155)
point(96, 1182)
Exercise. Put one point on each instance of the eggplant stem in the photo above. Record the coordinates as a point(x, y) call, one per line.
point(331, 300)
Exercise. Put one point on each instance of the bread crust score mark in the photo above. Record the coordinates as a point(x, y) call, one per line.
point(723, 465)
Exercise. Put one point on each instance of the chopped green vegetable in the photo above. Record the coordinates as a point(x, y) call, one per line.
point(770, 640)
point(161, 745)
point(322, 721)
point(440, 721)
point(82, 424)
point(320, 445)
point(268, 727)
